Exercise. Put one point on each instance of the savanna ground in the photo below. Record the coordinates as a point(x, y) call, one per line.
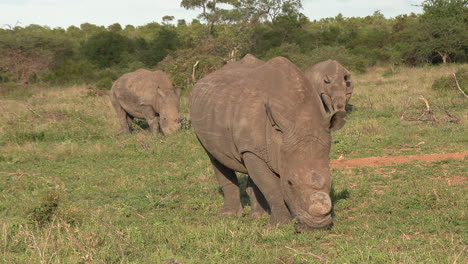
point(75, 191)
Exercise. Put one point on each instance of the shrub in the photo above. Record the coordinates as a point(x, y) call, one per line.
point(180, 66)
point(349, 60)
point(287, 50)
point(106, 49)
point(45, 211)
point(104, 84)
point(72, 72)
point(448, 83)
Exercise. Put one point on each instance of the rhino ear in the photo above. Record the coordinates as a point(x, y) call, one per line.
point(335, 120)
point(276, 120)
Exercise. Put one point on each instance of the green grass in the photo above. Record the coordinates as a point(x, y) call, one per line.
point(72, 190)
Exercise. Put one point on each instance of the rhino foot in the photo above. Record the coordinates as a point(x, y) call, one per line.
point(230, 211)
point(258, 214)
point(279, 219)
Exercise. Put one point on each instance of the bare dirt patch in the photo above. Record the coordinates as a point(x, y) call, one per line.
point(387, 160)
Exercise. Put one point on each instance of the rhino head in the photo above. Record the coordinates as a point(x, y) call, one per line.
point(337, 87)
point(303, 163)
point(168, 103)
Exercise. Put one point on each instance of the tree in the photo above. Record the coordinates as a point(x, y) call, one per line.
point(116, 27)
point(106, 49)
point(31, 51)
point(443, 28)
point(211, 13)
point(157, 49)
point(167, 19)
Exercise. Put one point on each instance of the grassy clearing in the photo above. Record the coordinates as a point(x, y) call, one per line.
point(75, 191)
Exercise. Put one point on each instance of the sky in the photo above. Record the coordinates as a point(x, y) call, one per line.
point(64, 13)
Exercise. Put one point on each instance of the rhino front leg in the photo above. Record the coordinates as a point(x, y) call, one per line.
point(228, 182)
point(151, 118)
point(130, 122)
point(257, 200)
point(269, 185)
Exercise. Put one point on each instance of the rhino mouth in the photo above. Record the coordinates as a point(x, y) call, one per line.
point(311, 224)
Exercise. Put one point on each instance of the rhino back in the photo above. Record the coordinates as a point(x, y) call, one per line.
point(228, 107)
point(135, 89)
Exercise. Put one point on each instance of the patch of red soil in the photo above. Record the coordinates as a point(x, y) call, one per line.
point(380, 161)
point(457, 180)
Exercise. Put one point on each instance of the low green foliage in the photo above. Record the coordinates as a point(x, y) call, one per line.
point(104, 84)
point(451, 82)
point(73, 190)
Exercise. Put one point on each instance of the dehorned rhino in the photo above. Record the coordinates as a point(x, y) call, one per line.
point(333, 82)
point(148, 95)
point(265, 120)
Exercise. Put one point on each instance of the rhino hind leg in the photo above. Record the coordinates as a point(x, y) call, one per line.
point(258, 202)
point(121, 115)
point(228, 182)
point(269, 185)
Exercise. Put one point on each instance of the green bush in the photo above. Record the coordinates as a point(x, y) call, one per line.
point(287, 50)
point(104, 84)
point(72, 72)
point(46, 210)
point(349, 60)
point(5, 77)
point(180, 66)
point(448, 83)
point(106, 49)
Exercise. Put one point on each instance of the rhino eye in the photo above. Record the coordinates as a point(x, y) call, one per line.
point(327, 82)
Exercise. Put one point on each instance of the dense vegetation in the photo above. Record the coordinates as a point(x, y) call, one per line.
point(74, 191)
point(265, 28)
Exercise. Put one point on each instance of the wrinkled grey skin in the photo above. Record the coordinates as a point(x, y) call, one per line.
point(333, 82)
point(147, 95)
point(265, 120)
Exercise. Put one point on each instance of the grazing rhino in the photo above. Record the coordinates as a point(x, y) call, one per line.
point(266, 121)
point(148, 95)
point(333, 82)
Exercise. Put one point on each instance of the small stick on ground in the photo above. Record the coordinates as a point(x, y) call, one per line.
point(308, 254)
point(458, 85)
point(34, 112)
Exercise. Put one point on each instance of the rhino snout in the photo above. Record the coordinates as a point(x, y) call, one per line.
point(325, 222)
point(320, 204)
point(170, 130)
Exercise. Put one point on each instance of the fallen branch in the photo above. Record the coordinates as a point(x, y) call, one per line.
point(194, 68)
point(426, 102)
point(428, 111)
point(458, 85)
point(452, 118)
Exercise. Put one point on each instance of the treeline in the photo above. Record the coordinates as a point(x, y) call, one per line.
point(98, 55)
